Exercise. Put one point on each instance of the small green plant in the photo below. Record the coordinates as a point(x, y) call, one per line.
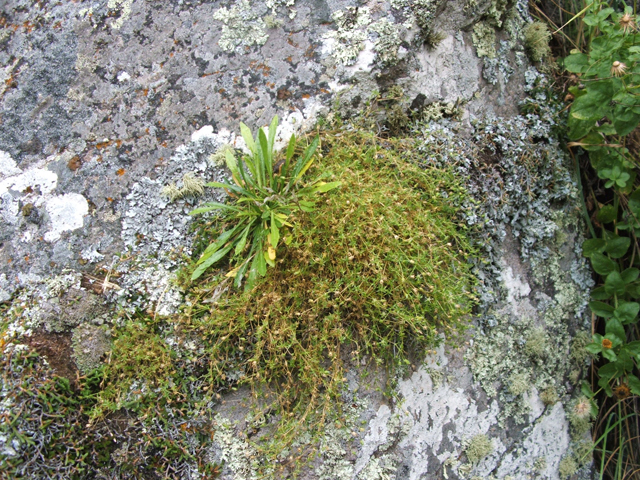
point(267, 194)
point(536, 41)
point(603, 120)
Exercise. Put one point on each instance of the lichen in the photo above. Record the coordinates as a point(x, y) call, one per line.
point(519, 383)
point(477, 448)
point(352, 31)
point(568, 466)
point(242, 27)
point(536, 344)
point(536, 41)
point(484, 39)
point(388, 42)
point(90, 343)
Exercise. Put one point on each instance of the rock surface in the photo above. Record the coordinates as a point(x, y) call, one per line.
point(103, 104)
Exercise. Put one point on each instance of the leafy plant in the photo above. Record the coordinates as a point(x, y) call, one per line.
point(603, 119)
point(605, 109)
point(267, 194)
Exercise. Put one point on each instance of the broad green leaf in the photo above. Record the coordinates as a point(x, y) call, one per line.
point(609, 354)
point(607, 214)
point(593, 245)
point(304, 161)
point(625, 119)
point(627, 312)
point(603, 265)
point(634, 203)
point(209, 261)
point(576, 62)
point(614, 284)
point(248, 137)
point(595, 104)
point(608, 371)
point(291, 148)
point(616, 247)
point(323, 187)
point(614, 327)
point(634, 347)
point(634, 384)
point(601, 309)
point(630, 275)
point(600, 293)
point(579, 128)
point(593, 348)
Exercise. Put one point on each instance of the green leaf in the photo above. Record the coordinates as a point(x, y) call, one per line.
point(275, 233)
point(614, 327)
point(634, 384)
point(624, 119)
point(603, 265)
point(243, 239)
point(304, 162)
point(267, 158)
point(630, 275)
point(595, 104)
point(241, 273)
point(614, 284)
point(607, 214)
point(209, 206)
point(601, 309)
point(593, 348)
point(209, 261)
point(634, 347)
point(609, 354)
point(576, 62)
point(627, 312)
point(634, 203)
point(248, 137)
point(273, 128)
point(608, 371)
point(593, 245)
point(600, 293)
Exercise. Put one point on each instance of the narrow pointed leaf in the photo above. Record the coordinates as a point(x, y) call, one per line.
point(275, 233)
point(210, 261)
point(248, 137)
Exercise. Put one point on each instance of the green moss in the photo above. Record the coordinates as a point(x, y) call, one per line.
point(378, 267)
point(478, 448)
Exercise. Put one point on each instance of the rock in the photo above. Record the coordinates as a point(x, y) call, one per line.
point(106, 105)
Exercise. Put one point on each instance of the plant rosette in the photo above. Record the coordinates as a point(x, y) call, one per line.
point(267, 193)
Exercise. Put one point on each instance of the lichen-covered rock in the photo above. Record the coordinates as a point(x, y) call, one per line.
point(115, 113)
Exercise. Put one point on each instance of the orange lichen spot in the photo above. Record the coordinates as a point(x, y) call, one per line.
point(271, 85)
point(101, 145)
point(313, 82)
point(120, 172)
point(289, 59)
point(164, 144)
point(324, 90)
point(145, 92)
point(171, 55)
point(118, 143)
point(306, 95)
point(222, 90)
point(28, 190)
point(26, 258)
point(109, 199)
point(74, 163)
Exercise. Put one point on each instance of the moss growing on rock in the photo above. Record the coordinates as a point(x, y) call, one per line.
point(380, 267)
point(536, 41)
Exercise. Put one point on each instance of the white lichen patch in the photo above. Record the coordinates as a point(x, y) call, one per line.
point(242, 27)
point(348, 40)
point(236, 452)
point(123, 7)
point(66, 212)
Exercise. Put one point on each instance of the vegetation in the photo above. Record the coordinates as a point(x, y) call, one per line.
point(378, 268)
point(603, 123)
point(267, 194)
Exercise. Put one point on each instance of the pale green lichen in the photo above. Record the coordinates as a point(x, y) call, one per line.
point(484, 39)
point(477, 448)
point(536, 344)
point(218, 158)
point(388, 42)
point(549, 396)
point(352, 31)
point(242, 27)
point(568, 466)
point(519, 383)
point(437, 110)
point(191, 187)
point(536, 41)
point(90, 343)
point(540, 464)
